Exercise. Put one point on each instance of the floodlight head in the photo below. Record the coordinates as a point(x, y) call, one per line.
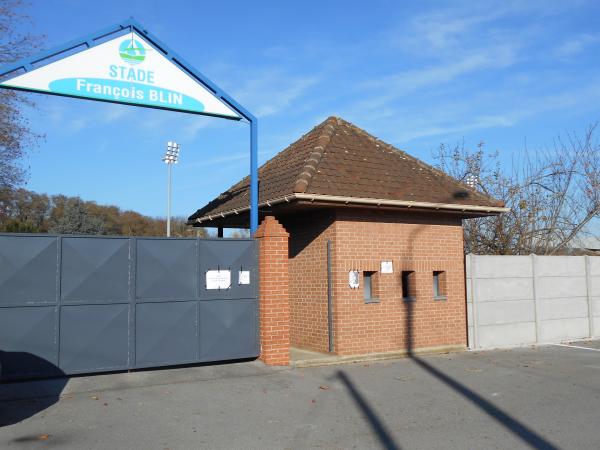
point(172, 153)
point(472, 180)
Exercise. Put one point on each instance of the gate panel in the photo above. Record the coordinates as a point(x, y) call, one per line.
point(28, 342)
point(228, 329)
point(28, 270)
point(230, 255)
point(166, 269)
point(94, 270)
point(28, 311)
point(166, 333)
point(94, 338)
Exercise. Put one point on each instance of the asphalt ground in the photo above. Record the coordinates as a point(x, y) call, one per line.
point(544, 397)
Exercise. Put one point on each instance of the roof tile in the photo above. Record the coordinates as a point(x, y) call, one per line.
point(338, 158)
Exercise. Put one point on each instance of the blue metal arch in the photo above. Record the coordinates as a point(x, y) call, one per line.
point(129, 25)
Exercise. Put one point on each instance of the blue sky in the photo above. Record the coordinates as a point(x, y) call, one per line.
point(415, 74)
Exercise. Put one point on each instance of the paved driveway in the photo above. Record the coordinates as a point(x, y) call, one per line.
point(547, 397)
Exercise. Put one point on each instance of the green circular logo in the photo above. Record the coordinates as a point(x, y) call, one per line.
point(132, 51)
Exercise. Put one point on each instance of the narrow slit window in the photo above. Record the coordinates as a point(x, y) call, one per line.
point(439, 285)
point(369, 287)
point(408, 285)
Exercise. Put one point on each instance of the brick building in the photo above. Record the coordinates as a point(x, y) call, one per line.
point(393, 223)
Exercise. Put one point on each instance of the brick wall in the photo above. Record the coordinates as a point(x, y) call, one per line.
point(274, 292)
point(361, 240)
point(419, 243)
point(308, 279)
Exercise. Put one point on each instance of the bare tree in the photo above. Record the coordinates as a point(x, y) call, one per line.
point(16, 135)
point(553, 195)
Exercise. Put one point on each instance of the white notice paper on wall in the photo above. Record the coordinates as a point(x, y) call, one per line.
point(218, 279)
point(387, 267)
point(244, 277)
point(353, 279)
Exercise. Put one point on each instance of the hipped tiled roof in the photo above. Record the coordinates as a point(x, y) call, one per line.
point(337, 158)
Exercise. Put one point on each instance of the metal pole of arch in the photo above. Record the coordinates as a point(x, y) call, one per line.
point(253, 176)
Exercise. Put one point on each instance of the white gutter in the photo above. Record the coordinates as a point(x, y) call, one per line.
point(408, 204)
point(363, 201)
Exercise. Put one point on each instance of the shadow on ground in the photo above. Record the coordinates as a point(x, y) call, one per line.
point(24, 399)
point(377, 425)
point(511, 424)
point(527, 435)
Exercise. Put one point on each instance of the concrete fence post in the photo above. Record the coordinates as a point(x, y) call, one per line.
point(273, 266)
point(536, 300)
point(473, 264)
point(588, 285)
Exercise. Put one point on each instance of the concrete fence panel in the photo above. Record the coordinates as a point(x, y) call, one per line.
point(522, 300)
point(594, 286)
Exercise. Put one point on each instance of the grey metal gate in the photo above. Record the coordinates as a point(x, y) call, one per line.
point(79, 304)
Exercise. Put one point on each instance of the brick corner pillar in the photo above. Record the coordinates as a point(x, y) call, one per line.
point(273, 266)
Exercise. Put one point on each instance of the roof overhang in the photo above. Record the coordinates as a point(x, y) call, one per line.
point(358, 201)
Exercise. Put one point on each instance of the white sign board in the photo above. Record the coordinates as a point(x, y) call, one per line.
point(218, 279)
point(126, 69)
point(387, 267)
point(353, 279)
point(244, 277)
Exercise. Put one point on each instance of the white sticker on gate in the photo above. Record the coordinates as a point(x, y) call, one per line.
point(244, 277)
point(218, 279)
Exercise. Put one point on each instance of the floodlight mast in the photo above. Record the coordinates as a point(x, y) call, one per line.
point(171, 157)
